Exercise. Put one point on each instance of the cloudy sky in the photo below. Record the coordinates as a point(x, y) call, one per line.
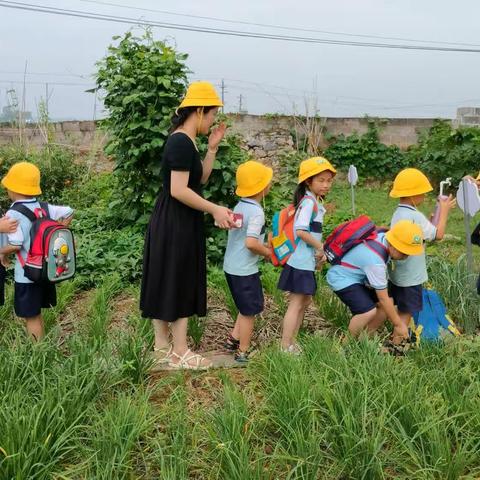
point(273, 76)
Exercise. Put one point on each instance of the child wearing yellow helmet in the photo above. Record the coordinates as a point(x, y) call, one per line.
point(22, 183)
point(298, 275)
point(406, 277)
point(245, 246)
point(360, 280)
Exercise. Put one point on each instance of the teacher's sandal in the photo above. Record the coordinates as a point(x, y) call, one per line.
point(188, 361)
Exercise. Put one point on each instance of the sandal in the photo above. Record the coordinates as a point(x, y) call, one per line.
point(231, 344)
point(184, 361)
point(162, 355)
point(293, 349)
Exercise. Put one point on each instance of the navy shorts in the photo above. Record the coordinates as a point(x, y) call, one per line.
point(30, 298)
point(294, 280)
point(358, 298)
point(247, 293)
point(407, 299)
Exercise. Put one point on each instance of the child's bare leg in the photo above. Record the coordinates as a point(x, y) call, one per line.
point(377, 321)
point(405, 317)
point(307, 301)
point(360, 321)
point(296, 307)
point(160, 327)
point(35, 327)
point(235, 333)
point(246, 324)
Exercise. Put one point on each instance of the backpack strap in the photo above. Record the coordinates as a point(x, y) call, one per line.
point(25, 211)
point(375, 246)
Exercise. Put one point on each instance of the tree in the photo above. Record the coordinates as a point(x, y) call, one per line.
point(142, 81)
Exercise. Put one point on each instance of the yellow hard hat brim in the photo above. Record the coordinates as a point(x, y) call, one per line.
point(11, 185)
point(250, 192)
point(403, 247)
point(316, 171)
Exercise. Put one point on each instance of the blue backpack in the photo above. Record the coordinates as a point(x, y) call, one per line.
point(432, 323)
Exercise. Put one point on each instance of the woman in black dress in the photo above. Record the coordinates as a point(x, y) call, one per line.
point(174, 282)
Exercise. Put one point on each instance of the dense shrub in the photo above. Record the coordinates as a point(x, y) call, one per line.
point(372, 158)
point(444, 151)
point(59, 170)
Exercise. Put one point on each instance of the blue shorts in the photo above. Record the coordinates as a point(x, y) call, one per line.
point(30, 298)
point(358, 298)
point(407, 299)
point(294, 280)
point(247, 293)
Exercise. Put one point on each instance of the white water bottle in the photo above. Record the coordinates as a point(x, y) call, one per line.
point(436, 215)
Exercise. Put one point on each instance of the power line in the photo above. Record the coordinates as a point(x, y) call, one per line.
point(217, 31)
point(56, 74)
point(50, 83)
point(281, 27)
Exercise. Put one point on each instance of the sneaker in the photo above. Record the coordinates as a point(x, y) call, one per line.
point(242, 357)
point(293, 349)
point(231, 344)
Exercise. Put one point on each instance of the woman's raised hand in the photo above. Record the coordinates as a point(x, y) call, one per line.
point(216, 136)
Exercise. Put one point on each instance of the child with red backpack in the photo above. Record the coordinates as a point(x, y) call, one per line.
point(298, 275)
point(358, 275)
point(23, 185)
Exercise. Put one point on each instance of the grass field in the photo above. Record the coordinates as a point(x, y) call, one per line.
point(81, 405)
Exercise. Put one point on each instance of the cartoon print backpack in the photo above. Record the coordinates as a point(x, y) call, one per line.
point(432, 323)
point(350, 234)
point(283, 237)
point(51, 257)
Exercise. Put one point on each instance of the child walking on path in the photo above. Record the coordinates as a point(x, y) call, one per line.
point(360, 280)
point(406, 277)
point(298, 276)
point(23, 185)
point(244, 248)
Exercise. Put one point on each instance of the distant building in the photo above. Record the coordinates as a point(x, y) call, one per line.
point(468, 116)
point(11, 115)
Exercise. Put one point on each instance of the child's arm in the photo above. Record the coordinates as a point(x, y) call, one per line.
point(400, 329)
point(257, 247)
point(308, 238)
point(445, 207)
point(9, 249)
point(8, 225)
point(66, 221)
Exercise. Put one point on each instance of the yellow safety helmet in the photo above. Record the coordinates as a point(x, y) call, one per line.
point(23, 178)
point(313, 166)
point(410, 182)
point(252, 177)
point(201, 94)
point(406, 237)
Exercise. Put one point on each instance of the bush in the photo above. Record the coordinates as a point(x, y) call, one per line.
point(443, 151)
point(372, 158)
point(59, 171)
point(142, 80)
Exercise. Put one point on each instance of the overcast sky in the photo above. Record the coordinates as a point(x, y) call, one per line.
point(272, 76)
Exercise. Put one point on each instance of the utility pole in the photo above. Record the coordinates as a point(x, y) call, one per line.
point(223, 93)
point(46, 100)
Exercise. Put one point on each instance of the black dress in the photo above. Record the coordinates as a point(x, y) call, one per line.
point(174, 281)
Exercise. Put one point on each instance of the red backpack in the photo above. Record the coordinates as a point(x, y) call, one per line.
point(283, 237)
point(350, 234)
point(51, 257)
